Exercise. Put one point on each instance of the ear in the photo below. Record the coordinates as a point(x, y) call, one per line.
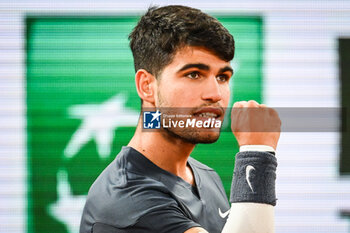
point(146, 85)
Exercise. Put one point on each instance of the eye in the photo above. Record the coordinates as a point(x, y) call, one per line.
point(223, 78)
point(193, 75)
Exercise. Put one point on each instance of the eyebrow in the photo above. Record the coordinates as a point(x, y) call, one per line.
point(202, 66)
point(226, 68)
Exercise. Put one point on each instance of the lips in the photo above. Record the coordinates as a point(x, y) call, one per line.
point(209, 112)
point(208, 115)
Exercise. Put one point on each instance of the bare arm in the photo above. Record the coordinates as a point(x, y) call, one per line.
point(196, 230)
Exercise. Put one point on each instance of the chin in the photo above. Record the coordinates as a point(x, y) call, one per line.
point(195, 136)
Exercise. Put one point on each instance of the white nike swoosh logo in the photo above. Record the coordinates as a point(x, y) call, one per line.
point(224, 215)
point(248, 169)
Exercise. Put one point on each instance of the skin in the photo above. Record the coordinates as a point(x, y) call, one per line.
point(255, 124)
point(199, 81)
point(191, 88)
point(194, 88)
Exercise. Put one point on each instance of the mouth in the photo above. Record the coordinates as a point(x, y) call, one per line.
point(209, 112)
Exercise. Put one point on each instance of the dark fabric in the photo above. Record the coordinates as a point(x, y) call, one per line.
point(104, 228)
point(133, 194)
point(145, 225)
point(254, 178)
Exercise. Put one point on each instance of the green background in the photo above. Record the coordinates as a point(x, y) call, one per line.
point(87, 60)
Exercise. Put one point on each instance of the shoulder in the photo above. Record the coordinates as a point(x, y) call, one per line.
point(119, 197)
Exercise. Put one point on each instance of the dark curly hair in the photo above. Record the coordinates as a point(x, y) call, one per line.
point(162, 31)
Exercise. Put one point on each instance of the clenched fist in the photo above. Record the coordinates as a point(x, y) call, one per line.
point(255, 124)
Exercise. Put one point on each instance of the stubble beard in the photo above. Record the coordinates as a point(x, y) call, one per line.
point(189, 135)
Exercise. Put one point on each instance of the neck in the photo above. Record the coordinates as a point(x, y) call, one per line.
point(167, 152)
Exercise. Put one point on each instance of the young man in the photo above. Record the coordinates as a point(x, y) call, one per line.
point(182, 61)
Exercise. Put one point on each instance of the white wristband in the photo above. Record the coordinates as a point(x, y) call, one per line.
point(263, 148)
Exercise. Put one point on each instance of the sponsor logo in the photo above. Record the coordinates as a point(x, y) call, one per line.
point(98, 123)
point(248, 169)
point(224, 215)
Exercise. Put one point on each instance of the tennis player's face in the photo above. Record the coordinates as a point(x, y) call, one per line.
point(195, 83)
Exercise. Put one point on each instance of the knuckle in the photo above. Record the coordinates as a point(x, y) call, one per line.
point(237, 104)
point(244, 103)
point(252, 103)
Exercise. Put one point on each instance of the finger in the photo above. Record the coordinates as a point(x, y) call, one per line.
point(244, 104)
point(237, 105)
point(273, 113)
point(252, 103)
point(236, 108)
point(240, 104)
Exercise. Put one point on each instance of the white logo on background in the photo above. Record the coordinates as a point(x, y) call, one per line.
point(98, 123)
point(68, 208)
point(248, 169)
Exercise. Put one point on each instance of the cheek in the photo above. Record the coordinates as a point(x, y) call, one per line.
point(173, 96)
point(225, 93)
point(182, 96)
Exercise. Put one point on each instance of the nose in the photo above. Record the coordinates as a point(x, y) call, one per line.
point(211, 90)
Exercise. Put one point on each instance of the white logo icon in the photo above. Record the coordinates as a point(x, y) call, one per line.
point(98, 123)
point(156, 115)
point(248, 169)
point(68, 207)
point(223, 215)
point(149, 117)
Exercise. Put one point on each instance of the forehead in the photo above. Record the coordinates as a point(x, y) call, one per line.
point(190, 54)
